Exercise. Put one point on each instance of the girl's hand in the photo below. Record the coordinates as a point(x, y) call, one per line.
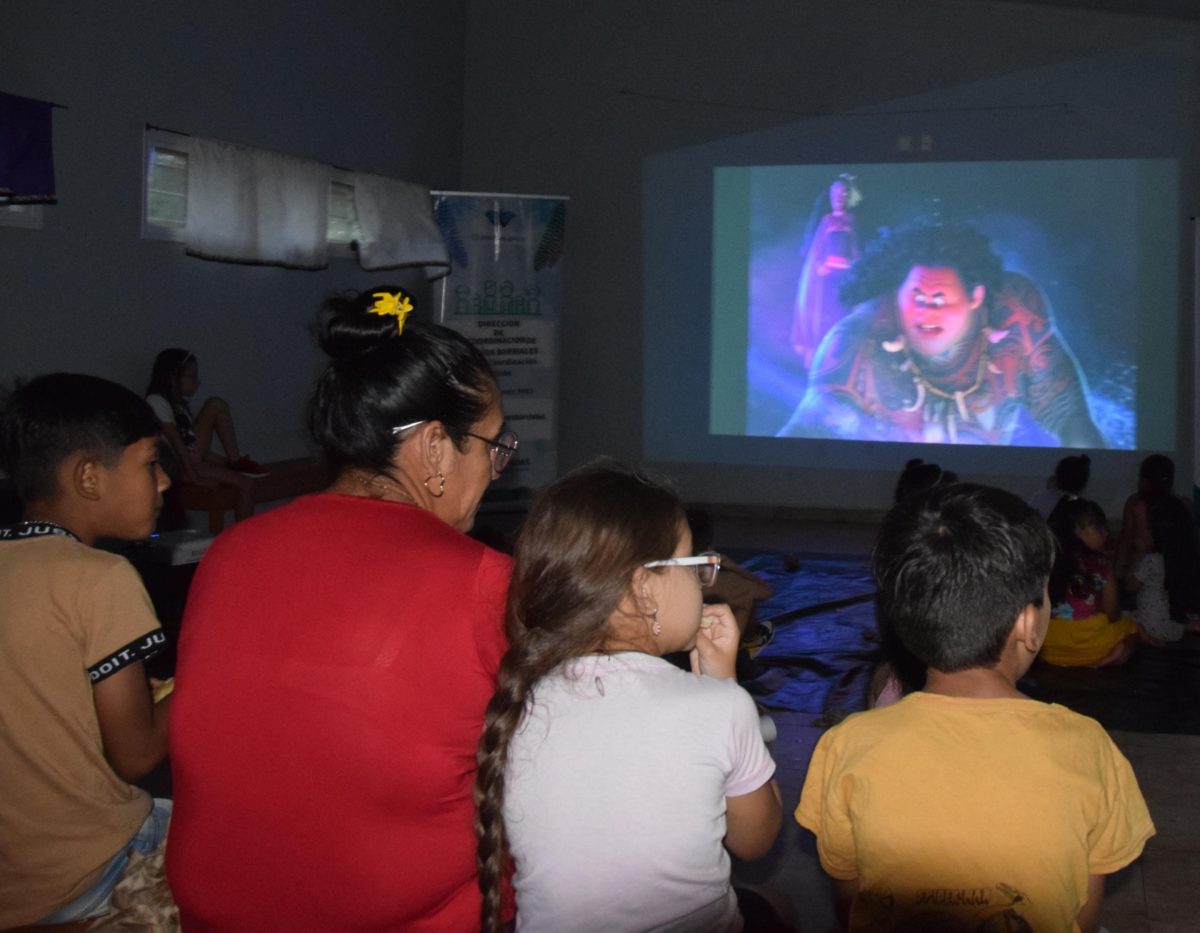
point(715, 652)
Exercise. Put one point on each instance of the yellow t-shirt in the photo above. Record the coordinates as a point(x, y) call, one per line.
point(971, 814)
point(69, 614)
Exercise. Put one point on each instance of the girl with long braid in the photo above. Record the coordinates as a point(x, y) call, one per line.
point(610, 782)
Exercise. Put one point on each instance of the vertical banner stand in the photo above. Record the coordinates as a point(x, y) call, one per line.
point(1195, 363)
point(504, 292)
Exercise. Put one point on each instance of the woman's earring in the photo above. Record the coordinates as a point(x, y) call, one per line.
point(441, 484)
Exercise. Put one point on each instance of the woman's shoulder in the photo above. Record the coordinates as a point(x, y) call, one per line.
point(406, 526)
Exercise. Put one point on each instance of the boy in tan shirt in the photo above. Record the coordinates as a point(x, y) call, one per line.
point(77, 721)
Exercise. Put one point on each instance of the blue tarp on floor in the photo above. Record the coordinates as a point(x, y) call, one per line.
point(825, 646)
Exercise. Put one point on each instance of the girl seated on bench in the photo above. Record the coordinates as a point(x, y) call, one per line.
point(173, 381)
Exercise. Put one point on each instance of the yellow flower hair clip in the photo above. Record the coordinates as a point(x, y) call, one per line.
point(398, 305)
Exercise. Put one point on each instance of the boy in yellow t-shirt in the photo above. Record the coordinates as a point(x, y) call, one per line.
point(77, 722)
point(967, 805)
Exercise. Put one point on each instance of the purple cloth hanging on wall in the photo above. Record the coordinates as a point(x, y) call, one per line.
point(26, 151)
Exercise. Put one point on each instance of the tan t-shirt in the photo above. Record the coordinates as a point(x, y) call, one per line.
point(69, 615)
point(971, 813)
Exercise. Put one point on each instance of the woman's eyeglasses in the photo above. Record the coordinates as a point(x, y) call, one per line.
point(705, 565)
point(500, 448)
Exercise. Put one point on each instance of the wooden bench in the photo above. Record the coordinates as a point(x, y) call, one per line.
point(287, 478)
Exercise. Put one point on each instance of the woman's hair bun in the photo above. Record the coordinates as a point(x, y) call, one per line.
point(347, 327)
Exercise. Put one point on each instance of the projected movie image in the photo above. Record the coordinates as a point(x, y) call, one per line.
point(955, 303)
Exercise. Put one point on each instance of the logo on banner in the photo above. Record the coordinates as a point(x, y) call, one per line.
point(500, 218)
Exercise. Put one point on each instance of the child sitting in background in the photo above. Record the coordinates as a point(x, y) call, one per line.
point(919, 476)
point(899, 672)
point(1156, 481)
point(1165, 578)
point(1071, 475)
point(173, 381)
point(1087, 628)
point(967, 805)
point(77, 722)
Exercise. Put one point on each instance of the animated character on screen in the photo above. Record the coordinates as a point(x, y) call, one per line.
point(946, 347)
point(830, 251)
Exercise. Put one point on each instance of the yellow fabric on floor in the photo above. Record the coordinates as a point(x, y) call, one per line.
point(1080, 642)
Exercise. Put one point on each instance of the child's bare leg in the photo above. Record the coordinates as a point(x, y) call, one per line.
point(1119, 654)
point(214, 417)
point(244, 507)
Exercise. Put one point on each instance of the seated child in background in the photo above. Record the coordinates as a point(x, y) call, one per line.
point(173, 381)
point(1156, 480)
point(1071, 475)
point(1087, 628)
point(899, 672)
point(919, 476)
point(968, 805)
point(1165, 578)
point(77, 721)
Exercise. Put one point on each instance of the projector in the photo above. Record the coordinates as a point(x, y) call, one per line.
point(177, 548)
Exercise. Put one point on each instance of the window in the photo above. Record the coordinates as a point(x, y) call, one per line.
point(166, 187)
point(166, 192)
point(343, 218)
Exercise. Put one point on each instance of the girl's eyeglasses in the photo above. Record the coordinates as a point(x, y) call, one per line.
point(706, 565)
point(500, 448)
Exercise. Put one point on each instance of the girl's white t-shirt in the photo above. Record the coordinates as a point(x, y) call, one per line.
point(162, 408)
point(615, 797)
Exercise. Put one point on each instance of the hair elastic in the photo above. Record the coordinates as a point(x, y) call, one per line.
point(395, 304)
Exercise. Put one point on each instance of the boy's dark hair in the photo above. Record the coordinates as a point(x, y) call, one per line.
point(54, 416)
point(1071, 474)
point(954, 568)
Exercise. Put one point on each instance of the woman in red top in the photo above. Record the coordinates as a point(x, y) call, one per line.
point(338, 652)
